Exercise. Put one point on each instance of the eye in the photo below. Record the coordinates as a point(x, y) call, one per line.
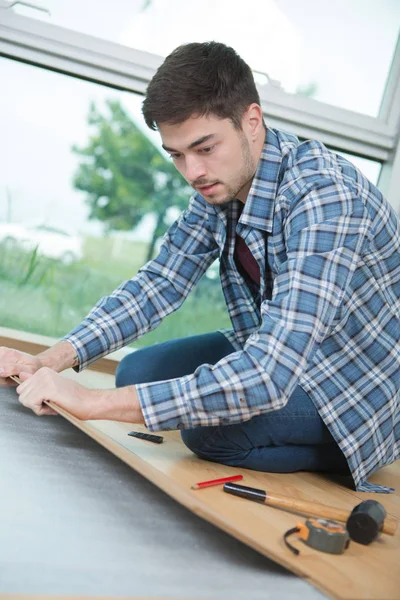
point(207, 150)
point(175, 156)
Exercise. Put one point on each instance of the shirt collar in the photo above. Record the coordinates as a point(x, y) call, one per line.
point(258, 210)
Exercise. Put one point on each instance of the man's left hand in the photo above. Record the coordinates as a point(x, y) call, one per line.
point(46, 384)
point(121, 404)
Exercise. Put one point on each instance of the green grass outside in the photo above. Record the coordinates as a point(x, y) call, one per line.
point(41, 296)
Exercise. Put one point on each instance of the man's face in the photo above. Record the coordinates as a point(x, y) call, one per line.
point(213, 157)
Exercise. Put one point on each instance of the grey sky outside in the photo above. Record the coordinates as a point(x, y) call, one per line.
point(344, 46)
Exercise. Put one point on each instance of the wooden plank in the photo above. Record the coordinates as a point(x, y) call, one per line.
point(362, 573)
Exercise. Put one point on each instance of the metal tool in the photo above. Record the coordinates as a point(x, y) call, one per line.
point(321, 534)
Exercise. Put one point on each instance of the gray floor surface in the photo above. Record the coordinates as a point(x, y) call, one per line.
point(77, 520)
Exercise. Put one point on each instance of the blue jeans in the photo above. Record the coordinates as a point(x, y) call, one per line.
point(293, 438)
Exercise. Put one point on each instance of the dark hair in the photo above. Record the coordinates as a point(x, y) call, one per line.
point(204, 79)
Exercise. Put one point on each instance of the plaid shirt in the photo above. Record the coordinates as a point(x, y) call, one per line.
point(326, 315)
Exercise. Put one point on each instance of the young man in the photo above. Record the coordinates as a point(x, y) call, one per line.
point(309, 250)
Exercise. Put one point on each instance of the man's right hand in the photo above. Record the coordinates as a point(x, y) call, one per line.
point(13, 362)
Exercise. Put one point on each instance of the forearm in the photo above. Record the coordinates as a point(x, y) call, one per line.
point(121, 404)
point(59, 357)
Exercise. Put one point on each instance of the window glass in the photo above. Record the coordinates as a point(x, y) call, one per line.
point(337, 52)
point(82, 192)
point(370, 168)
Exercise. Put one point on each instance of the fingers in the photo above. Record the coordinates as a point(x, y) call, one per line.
point(7, 382)
point(38, 407)
point(31, 394)
point(5, 372)
point(9, 369)
point(45, 384)
point(23, 376)
point(9, 358)
point(32, 391)
point(12, 362)
point(46, 410)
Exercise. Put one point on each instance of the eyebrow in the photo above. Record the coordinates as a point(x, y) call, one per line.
point(198, 142)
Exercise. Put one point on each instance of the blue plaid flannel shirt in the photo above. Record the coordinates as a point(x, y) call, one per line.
point(326, 315)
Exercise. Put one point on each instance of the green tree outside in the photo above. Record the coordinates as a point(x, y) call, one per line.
point(125, 176)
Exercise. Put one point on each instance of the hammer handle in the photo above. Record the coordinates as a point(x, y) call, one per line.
point(314, 509)
point(309, 509)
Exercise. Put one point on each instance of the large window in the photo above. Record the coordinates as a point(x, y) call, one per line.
point(82, 204)
point(338, 52)
point(68, 233)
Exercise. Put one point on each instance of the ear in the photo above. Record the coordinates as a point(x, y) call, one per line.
point(253, 121)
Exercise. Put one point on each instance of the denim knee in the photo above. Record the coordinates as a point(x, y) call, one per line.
point(120, 374)
point(176, 358)
point(194, 439)
point(129, 371)
point(211, 444)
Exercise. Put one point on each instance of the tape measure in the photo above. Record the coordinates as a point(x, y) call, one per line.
point(321, 534)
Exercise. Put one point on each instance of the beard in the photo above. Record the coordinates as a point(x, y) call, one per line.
point(245, 175)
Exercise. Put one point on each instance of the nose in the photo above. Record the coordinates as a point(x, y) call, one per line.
point(194, 168)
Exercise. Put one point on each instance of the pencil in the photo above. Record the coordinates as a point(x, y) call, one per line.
point(204, 484)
